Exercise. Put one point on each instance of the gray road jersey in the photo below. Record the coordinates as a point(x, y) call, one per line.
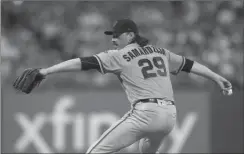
point(143, 72)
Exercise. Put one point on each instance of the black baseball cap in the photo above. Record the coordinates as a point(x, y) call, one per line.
point(122, 26)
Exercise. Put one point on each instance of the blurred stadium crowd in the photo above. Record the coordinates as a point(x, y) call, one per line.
point(40, 34)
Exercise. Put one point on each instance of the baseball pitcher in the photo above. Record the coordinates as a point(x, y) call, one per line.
point(144, 72)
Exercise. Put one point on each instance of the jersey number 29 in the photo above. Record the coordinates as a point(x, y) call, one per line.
point(157, 62)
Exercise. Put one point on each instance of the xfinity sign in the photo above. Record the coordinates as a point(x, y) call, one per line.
point(92, 123)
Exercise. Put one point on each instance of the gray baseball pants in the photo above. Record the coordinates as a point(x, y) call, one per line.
point(148, 122)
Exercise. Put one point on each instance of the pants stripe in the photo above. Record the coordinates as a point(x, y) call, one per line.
point(106, 133)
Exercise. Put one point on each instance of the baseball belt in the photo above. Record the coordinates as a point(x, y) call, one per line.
point(159, 101)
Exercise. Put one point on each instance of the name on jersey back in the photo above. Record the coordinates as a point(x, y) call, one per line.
point(142, 51)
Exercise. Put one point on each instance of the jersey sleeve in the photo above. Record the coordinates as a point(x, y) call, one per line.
point(176, 62)
point(109, 62)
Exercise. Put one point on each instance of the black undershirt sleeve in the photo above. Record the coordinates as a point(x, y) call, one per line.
point(188, 65)
point(88, 63)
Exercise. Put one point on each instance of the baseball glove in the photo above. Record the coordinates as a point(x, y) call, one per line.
point(28, 80)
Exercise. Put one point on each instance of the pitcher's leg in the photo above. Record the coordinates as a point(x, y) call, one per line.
point(120, 135)
point(163, 127)
point(151, 144)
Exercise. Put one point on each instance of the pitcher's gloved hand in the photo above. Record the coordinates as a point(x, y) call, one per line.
point(28, 80)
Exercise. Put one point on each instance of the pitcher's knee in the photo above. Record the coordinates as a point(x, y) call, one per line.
point(146, 146)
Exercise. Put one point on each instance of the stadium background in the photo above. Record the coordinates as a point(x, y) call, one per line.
point(40, 34)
